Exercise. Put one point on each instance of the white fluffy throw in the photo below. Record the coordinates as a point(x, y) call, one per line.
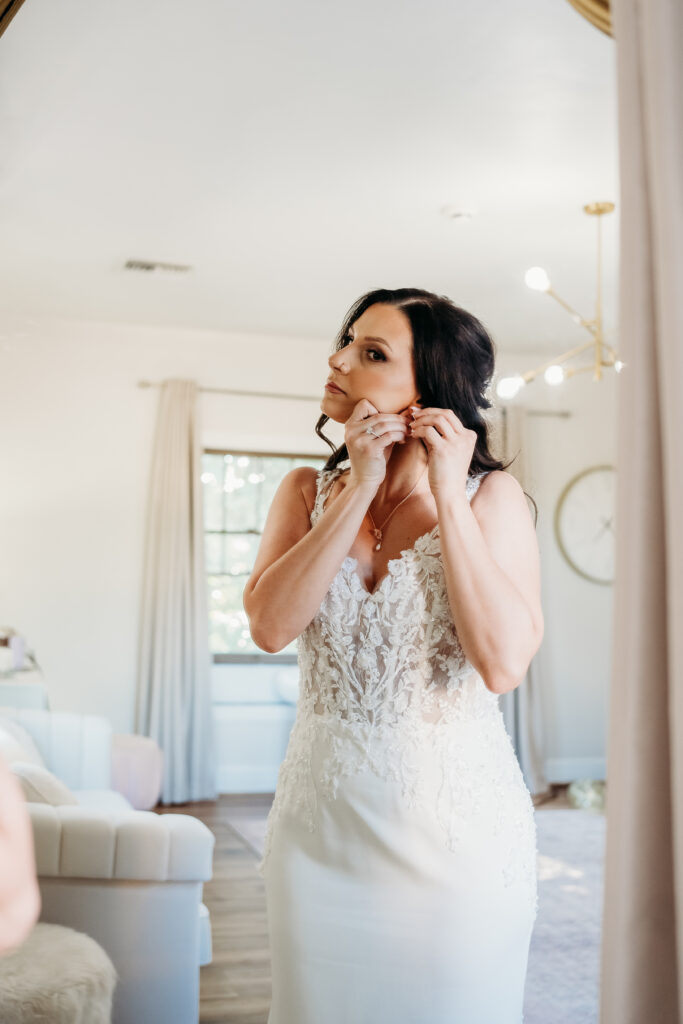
point(57, 975)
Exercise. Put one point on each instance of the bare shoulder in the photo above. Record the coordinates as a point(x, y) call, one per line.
point(500, 502)
point(305, 478)
point(497, 486)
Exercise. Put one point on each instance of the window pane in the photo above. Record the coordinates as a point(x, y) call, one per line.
point(240, 552)
point(238, 490)
point(212, 480)
point(213, 552)
point(242, 478)
point(228, 624)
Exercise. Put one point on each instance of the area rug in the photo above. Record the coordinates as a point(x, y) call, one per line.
point(563, 976)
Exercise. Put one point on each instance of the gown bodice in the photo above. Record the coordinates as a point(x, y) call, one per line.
point(390, 658)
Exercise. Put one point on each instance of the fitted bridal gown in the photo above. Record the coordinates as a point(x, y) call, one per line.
point(400, 853)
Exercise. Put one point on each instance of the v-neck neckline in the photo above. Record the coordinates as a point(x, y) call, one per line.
point(401, 557)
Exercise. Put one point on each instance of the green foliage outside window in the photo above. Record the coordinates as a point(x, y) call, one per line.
point(238, 488)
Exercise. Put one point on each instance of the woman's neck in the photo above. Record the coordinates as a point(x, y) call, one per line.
point(406, 466)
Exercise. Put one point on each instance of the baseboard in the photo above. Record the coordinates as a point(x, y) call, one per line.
point(567, 769)
point(247, 778)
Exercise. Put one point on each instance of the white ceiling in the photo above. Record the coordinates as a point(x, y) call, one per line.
point(298, 154)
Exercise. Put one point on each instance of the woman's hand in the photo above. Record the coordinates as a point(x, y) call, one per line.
point(450, 447)
point(369, 455)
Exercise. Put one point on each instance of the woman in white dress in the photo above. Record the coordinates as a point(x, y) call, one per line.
point(400, 857)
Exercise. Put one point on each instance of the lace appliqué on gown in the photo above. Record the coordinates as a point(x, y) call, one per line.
point(384, 675)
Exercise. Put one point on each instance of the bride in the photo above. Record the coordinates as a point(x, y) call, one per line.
point(400, 855)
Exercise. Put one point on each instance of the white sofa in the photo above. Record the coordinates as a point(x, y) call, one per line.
point(131, 879)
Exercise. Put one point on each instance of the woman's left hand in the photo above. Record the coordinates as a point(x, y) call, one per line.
point(450, 447)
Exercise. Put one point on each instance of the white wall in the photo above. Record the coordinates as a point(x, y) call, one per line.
point(575, 656)
point(75, 439)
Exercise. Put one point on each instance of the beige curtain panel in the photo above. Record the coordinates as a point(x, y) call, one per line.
point(174, 663)
point(642, 939)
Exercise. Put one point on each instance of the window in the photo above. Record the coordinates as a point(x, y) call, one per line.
point(238, 488)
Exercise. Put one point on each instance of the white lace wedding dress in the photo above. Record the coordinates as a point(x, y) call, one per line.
point(400, 854)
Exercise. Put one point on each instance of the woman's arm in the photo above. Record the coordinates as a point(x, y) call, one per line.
point(19, 892)
point(296, 563)
point(485, 547)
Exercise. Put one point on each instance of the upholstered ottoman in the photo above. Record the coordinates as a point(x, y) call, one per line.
point(57, 975)
point(137, 764)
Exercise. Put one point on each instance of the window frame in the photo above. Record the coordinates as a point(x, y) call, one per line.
point(255, 657)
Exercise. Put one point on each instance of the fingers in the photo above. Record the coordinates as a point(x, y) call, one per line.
point(433, 415)
point(387, 438)
point(381, 423)
point(393, 433)
point(438, 429)
point(439, 420)
point(363, 409)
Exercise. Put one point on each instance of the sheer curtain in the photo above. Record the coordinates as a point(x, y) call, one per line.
point(642, 940)
point(174, 664)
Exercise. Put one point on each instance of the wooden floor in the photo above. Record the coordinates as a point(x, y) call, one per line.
point(235, 987)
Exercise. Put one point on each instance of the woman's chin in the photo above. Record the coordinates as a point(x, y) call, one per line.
point(335, 410)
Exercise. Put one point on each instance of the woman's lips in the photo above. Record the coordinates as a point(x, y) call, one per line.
point(333, 387)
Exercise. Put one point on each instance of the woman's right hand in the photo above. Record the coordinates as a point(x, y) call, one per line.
point(369, 455)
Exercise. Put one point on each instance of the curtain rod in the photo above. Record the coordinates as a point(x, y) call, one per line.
point(549, 412)
point(316, 398)
point(234, 391)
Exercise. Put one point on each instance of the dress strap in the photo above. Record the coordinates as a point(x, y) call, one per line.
point(472, 484)
point(325, 479)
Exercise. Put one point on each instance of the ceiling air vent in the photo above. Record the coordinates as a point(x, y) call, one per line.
point(458, 212)
point(156, 265)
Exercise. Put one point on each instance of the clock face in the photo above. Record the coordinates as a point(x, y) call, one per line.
point(584, 523)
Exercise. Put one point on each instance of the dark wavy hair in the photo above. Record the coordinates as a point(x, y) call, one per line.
point(453, 362)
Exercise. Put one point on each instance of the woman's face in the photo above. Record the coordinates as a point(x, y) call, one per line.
point(375, 362)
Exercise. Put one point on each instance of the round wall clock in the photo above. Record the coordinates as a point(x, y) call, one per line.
point(584, 523)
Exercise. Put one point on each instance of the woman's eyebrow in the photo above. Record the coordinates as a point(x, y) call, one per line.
point(369, 337)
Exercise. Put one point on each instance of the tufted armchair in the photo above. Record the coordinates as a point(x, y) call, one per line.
point(131, 879)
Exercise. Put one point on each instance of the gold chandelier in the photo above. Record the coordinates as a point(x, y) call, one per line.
point(603, 354)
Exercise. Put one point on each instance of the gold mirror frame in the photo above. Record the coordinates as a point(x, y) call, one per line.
point(8, 8)
point(597, 12)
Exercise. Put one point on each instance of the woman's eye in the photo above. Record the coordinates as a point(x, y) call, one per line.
point(382, 357)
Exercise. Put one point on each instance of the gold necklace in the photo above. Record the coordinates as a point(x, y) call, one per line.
point(377, 530)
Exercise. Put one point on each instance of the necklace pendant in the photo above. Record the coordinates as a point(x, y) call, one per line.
point(378, 546)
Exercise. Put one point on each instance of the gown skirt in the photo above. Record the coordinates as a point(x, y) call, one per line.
point(373, 919)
